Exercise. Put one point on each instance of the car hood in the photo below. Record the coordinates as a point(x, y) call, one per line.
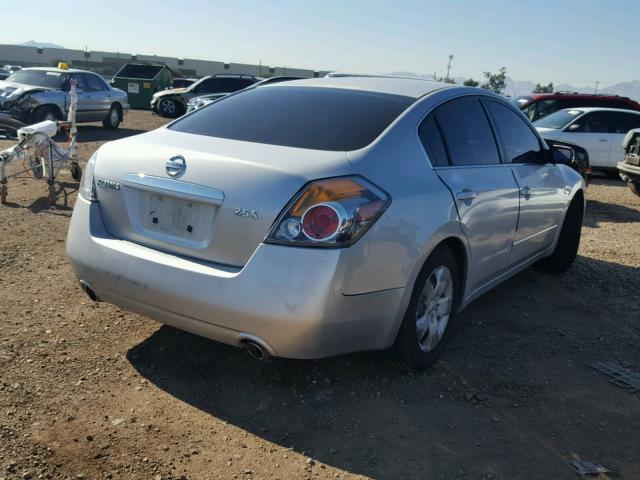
point(545, 130)
point(170, 91)
point(9, 90)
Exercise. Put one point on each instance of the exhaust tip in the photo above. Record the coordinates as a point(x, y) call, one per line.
point(89, 291)
point(256, 350)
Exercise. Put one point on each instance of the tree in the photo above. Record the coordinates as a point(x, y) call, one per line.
point(496, 82)
point(470, 82)
point(543, 88)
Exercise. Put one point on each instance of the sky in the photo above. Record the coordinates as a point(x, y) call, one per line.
point(562, 41)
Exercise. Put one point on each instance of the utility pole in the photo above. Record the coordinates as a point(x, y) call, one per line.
point(597, 83)
point(449, 67)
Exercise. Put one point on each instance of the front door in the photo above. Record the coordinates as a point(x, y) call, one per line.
point(463, 150)
point(591, 132)
point(540, 184)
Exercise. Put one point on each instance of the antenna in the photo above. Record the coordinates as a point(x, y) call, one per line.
point(449, 67)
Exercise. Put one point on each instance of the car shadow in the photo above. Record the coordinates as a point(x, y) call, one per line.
point(598, 212)
point(473, 415)
point(95, 133)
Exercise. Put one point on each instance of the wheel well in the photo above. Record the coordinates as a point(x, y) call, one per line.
point(119, 108)
point(579, 199)
point(457, 247)
point(51, 106)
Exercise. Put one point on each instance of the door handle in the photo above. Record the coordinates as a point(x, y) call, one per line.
point(525, 192)
point(466, 195)
point(603, 140)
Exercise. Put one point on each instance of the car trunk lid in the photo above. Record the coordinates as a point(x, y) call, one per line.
point(223, 204)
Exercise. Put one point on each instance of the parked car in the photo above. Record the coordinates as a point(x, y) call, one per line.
point(9, 126)
point(36, 94)
point(629, 168)
point(11, 68)
point(201, 101)
point(173, 102)
point(579, 160)
point(538, 105)
point(363, 216)
point(598, 130)
point(4, 75)
point(183, 82)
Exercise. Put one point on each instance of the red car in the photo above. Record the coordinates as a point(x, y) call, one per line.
point(538, 105)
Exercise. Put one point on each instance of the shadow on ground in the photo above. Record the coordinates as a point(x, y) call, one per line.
point(514, 384)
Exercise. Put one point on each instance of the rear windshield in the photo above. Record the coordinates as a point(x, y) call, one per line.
point(303, 117)
point(39, 78)
point(558, 119)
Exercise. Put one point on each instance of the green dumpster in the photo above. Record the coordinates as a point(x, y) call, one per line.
point(141, 81)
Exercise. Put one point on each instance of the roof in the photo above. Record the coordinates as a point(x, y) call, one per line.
point(408, 87)
point(58, 70)
point(601, 109)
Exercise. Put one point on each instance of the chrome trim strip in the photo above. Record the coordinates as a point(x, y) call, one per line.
point(541, 232)
point(173, 188)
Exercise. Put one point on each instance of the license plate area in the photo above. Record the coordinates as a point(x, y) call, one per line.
point(175, 220)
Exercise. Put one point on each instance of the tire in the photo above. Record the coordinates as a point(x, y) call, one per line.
point(112, 122)
point(168, 107)
point(566, 249)
point(427, 322)
point(46, 112)
point(635, 187)
point(76, 172)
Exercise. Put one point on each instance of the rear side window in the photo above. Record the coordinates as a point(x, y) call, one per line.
point(519, 142)
point(303, 117)
point(467, 133)
point(432, 140)
point(621, 122)
point(93, 83)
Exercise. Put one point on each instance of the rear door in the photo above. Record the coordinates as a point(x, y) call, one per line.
point(591, 132)
point(541, 184)
point(463, 150)
point(97, 94)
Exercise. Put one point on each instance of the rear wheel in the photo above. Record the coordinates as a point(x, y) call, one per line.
point(635, 187)
point(427, 322)
point(113, 119)
point(567, 247)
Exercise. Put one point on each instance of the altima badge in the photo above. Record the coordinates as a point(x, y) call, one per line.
point(176, 166)
point(102, 183)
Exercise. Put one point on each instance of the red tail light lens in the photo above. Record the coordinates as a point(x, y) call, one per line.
point(332, 212)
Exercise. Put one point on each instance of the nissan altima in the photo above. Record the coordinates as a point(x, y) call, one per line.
point(323, 216)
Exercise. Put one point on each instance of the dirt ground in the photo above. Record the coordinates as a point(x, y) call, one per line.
point(92, 391)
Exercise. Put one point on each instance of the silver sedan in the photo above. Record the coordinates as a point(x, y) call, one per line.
point(324, 216)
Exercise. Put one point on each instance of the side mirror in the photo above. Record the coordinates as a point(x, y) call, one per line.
point(561, 154)
point(574, 127)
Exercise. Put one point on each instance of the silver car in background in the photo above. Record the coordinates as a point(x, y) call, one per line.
point(33, 95)
point(362, 215)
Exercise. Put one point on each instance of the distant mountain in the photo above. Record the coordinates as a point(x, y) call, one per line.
point(33, 43)
point(516, 88)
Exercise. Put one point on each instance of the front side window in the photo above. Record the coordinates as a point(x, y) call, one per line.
point(304, 117)
point(520, 144)
point(593, 122)
point(466, 133)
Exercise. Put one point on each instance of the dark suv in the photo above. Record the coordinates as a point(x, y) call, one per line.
point(540, 105)
point(173, 102)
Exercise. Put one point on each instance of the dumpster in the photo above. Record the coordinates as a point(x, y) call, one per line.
point(141, 81)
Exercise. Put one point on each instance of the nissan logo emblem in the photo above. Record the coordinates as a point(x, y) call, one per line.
point(176, 166)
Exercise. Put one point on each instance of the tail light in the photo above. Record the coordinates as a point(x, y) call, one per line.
point(334, 212)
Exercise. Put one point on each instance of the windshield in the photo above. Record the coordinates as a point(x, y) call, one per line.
point(520, 101)
point(558, 119)
point(39, 78)
point(303, 117)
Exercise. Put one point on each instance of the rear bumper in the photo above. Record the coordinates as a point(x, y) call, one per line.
point(288, 299)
